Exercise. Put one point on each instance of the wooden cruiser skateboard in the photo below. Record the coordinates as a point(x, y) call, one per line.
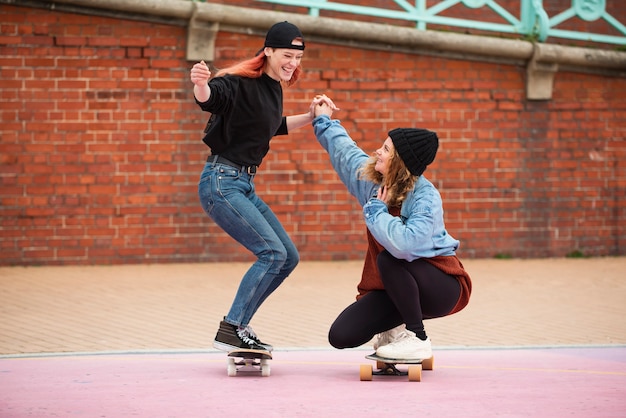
point(387, 367)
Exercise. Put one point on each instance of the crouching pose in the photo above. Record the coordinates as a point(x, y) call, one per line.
point(411, 271)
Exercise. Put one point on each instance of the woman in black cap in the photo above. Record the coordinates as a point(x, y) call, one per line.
point(411, 270)
point(246, 105)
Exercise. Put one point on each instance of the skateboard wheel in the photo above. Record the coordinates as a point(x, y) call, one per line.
point(265, 369)
point(264, 365)
point(428, 363)
point(366, 372)
point(232, 367)
point(415, 373)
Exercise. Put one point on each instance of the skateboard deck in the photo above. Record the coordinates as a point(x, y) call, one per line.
point(249, 361)
point(387, 367)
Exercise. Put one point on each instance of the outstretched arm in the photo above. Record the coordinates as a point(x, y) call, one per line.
point(298, 121)
point(345, 155)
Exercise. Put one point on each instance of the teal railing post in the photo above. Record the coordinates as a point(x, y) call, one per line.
point(535, 21)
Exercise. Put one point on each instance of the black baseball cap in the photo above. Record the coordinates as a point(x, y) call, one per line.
point(282, 34)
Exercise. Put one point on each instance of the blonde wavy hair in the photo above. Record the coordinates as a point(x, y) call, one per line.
point(399, 181)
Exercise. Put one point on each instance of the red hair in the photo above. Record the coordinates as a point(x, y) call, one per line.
point(253, 68)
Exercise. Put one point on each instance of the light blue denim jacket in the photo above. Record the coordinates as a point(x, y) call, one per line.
point(419, 231)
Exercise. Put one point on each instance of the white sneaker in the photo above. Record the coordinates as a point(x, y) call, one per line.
point(409, 348)
point(390, 336)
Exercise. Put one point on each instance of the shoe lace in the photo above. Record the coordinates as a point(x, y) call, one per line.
point(402, 335)
point(251, 333)
point(245, 336)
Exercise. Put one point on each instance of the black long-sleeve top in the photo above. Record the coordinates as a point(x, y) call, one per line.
point(246, 114)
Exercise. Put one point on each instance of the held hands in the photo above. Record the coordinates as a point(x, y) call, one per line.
point(322, 105)
point(200, 74)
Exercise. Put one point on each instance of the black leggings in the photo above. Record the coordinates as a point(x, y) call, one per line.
point(414, 291)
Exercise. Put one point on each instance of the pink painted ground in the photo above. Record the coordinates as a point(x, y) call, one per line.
point(546, 382)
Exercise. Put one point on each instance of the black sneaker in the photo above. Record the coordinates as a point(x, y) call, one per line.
point(251, 334)
point(231, 337)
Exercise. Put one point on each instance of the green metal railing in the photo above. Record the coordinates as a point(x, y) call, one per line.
point(533, 22)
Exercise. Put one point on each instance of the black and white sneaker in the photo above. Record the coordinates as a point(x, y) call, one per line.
point(231, 337)
point(256, 339)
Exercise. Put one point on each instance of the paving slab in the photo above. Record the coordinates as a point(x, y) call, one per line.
point(544, 302)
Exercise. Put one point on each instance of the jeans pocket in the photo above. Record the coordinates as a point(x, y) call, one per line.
point(205, 190)
point(229, 180)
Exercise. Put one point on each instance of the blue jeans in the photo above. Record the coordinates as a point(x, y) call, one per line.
point(228, 196)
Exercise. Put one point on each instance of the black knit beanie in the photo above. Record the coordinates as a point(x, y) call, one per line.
point(282, 34)
point(417, 147)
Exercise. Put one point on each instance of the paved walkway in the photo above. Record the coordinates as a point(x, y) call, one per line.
point(178, 307)
point(539, 338)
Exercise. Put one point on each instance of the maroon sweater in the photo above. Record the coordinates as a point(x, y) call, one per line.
point(370, 279)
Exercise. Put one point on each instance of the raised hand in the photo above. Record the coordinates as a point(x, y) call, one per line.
point(200, 74)
point(322, 105)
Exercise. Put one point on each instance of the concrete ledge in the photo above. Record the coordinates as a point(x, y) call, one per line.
point(543, 61)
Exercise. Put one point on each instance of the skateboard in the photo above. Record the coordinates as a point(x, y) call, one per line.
point(387, 367)
point(249, 361)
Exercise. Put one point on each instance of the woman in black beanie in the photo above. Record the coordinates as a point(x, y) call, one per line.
point(411, 270)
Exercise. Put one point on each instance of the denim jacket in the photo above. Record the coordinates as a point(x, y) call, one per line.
point(419, 231)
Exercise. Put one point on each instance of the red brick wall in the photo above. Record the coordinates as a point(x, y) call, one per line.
point(100, 148)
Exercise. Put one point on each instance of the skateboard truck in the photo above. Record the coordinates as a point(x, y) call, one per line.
point(249, 361)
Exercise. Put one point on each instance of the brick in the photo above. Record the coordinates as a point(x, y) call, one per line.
point(109, 143)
